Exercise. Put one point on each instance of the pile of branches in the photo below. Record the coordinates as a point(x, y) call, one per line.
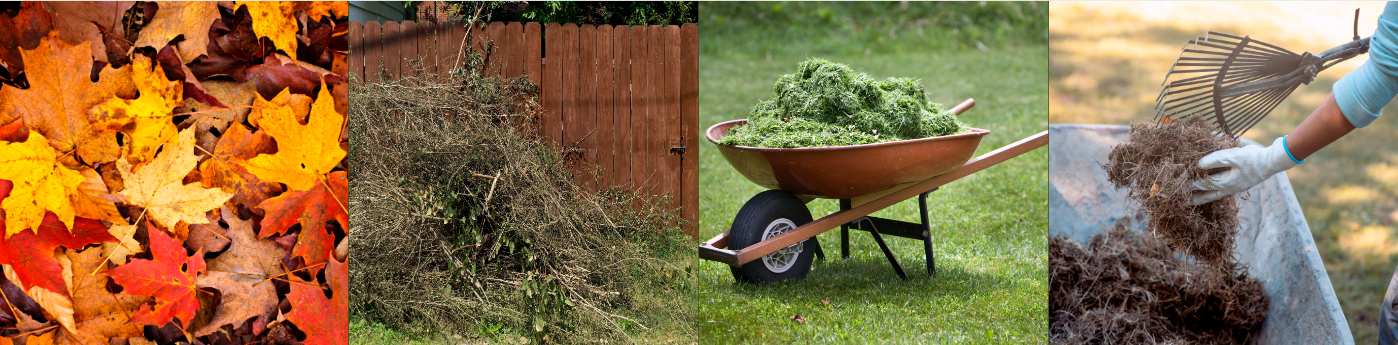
point(464, 224)
point(1126, 287)
point(1158, 166)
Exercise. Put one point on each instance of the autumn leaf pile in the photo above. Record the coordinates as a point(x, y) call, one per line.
point(173, 172)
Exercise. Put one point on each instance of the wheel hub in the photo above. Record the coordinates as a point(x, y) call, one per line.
point(783, 259)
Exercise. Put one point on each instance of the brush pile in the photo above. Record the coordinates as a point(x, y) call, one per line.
point(1130, 288)
point(829, 104)
point(463, 224)
point(1177, 282)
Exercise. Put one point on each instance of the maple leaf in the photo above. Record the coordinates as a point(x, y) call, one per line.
point(190, 19)
point(224, 169)
point(172, 287)
point(299, 104)
point(31, 253)
point(276, 20)
point(305, 152)
point(158, 186)
point(243, 274)
point(60, 95)
point(78, 21)
point(23, 31)
point(98, 314)
point(321, 318)
point(147, 118)
point(311, 209)
point(41, 184)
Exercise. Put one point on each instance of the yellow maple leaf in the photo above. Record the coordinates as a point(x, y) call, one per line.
point(41, 184)
point(190, 19)
point(305, 152)
point(146, 118)
point(276, 20)
point(158, 186)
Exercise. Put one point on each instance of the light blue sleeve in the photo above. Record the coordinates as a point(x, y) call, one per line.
point(1363, 93)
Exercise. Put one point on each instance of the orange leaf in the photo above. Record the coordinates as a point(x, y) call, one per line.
point(312, 209)
point(31, 253)
point(163, 278)
point(225, 168)
point(60, 95)
point(190, 19)
point(243, 274)
point(305, 152)
point(98, 314)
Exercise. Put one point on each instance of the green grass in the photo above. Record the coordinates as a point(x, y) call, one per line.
point(989, 229)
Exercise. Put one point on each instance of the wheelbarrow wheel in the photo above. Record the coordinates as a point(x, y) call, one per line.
point(768, 214)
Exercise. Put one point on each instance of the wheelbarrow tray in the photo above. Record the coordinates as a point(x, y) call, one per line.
point(1273, 238)
point(844, 172)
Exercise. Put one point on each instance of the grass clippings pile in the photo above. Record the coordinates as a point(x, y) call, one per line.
point(1126, 287)
point(1158, 166)
point(1177, 282)
point(463, 225)
point(829, 104)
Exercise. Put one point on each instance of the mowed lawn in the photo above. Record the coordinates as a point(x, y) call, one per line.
point(989, 229)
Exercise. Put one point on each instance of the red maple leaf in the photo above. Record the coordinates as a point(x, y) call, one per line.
point(169, 277)
point(31, 254)
point(321, 318)
point(312, 209)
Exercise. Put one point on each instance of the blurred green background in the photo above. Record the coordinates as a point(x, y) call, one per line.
point(1108, 59)
point(989, 229)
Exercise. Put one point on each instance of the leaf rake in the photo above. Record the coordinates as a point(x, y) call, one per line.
point(1233, 82)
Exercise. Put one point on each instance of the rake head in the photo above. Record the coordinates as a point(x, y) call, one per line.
point(1233, 82)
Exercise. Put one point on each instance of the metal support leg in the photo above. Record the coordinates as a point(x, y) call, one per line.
point(927, 233)
point(844, 231)
point(887, 252)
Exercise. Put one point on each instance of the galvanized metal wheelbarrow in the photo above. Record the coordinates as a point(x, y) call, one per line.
point(775, 228)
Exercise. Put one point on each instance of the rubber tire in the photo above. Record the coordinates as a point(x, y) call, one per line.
point(752, 220)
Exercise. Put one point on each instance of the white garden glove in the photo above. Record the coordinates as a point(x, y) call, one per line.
point(1249, 165)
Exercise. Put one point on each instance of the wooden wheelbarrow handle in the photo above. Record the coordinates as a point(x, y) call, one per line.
point(711, 249)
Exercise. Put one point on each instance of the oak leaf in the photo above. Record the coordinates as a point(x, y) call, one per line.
point(60, 95)
point(244, 275)
point(168, 277)
point(41, 184)
point(190, 19)
point(321, 318)
point(225, 168)
point(305, 152)
point(158, 186)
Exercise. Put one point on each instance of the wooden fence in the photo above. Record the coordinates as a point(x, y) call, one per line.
point(626, 95)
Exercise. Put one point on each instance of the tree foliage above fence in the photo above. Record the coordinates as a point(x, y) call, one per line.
point(580, 12)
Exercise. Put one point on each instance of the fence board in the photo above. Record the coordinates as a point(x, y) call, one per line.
point(671, 102)
point(586, 123)
point(689, 118)
point(427, 47)
point(569, 53)
point(533, 56)
point(640, 139)
point(390, 49)
point(606, 148)
point(552, 124)
point(373, 51)
point(621, 105)
point(514, 56)
point(356, 41)
point(496, 33)
point(656, 112)
point(407, 47)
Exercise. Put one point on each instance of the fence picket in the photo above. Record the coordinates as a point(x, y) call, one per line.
point(606, 149)
point(640, 128)
point(514, 55)
point(356, 59)
point(689, 117)
point(621, 105)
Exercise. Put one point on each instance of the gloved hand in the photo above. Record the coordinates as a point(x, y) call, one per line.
point(1249, 166)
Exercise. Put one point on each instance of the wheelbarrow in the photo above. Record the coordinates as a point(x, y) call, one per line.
point(773, 236)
